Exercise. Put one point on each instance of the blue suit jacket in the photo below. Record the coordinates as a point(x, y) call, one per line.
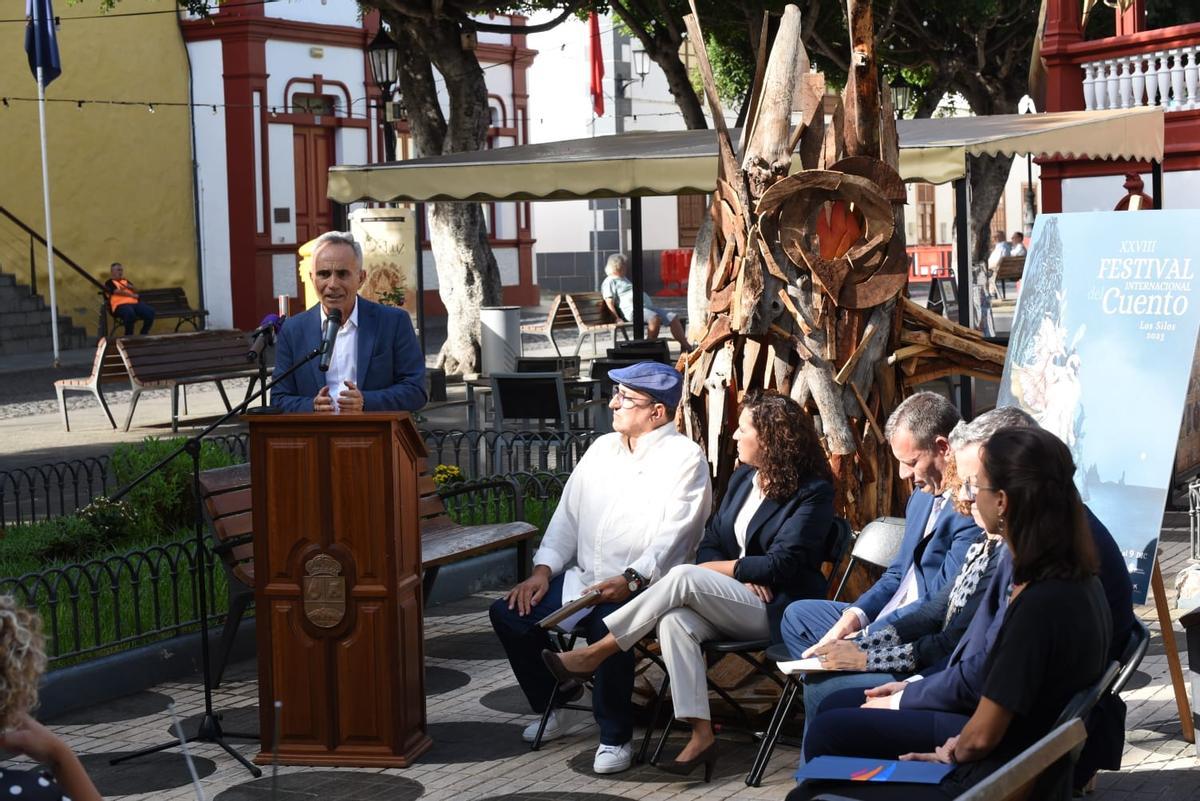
point(786, 541)
point(937, 558)
point(957, 688)
point(391, 366)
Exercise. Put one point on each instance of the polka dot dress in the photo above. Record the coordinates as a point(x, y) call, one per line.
point(30, 785)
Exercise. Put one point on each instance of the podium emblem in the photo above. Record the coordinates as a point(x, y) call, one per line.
point(324, 591)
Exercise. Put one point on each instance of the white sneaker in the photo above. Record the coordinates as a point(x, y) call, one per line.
point(613, 758)
point(561, 723)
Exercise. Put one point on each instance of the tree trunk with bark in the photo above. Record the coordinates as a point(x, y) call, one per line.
point(468, 277)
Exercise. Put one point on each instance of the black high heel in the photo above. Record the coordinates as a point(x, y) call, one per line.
point(707, 757)
point(560, 671)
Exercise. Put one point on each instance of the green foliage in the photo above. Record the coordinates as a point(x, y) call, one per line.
point(733, 71)
point(164, 500)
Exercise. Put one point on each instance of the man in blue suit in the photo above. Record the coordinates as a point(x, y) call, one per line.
point(936, 537)
point(377, 363)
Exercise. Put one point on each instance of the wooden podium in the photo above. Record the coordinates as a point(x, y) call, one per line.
point(337, 561)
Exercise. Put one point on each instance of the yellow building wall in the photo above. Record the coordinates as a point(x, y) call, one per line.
point(120, 177)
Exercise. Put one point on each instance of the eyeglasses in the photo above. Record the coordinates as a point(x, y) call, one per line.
point(629, 401)
point(970, 490)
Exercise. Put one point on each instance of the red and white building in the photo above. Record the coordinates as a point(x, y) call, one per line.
point(1134, 68)
point(289, 92)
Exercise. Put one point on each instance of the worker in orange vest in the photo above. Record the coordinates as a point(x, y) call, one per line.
point(123, 300)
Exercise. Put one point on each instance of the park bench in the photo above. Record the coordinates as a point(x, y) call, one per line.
point(107, 368)
point(173, 361)
point(226, 493)
point(169, 303)
point(586, 312)
point(1009, 268)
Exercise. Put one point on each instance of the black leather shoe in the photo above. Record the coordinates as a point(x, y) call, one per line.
point(707, 758)
point(559, 670)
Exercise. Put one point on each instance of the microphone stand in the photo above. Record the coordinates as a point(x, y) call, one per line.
point(262, 339)
point(209, 730)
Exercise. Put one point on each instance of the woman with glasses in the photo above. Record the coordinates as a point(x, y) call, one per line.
point(1053, 640)
point(763, 548)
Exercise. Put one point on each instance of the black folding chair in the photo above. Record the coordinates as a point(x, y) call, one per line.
point(1131, 657)
point(643, 349)
point(877, 544)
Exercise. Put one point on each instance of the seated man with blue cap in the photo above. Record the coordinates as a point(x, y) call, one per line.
point(633, 508)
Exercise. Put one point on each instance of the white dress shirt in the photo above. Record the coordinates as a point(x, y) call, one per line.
point(643, 509)
point(343, 366)
point(741, 523)
point(908, 591)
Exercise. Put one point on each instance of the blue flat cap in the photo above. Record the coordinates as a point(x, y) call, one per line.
point(660, 381)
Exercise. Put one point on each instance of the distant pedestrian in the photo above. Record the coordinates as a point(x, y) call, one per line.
point(123, 300)
point(617, 291)
point(1016, 245)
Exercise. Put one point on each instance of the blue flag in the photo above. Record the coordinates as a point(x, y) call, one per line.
point(40, 42)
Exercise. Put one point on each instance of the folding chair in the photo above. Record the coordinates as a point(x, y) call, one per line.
point(877, 544)
point(1131, 657)
point(655, 350)
point(565, 641)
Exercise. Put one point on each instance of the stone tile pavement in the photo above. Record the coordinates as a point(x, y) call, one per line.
point(476, 716)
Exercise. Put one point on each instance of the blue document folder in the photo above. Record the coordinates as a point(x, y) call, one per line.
point(857, 769)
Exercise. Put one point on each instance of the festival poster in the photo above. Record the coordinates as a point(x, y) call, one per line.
point(1101, 352)
point(388, 238)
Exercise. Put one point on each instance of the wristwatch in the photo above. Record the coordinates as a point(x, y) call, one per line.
point(636, 580)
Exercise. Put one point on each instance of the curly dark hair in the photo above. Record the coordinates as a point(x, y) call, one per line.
point(790, 447)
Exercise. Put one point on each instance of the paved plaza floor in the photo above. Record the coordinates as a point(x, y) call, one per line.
point(476, 714)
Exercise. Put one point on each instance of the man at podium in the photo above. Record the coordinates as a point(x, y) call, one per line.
point(377, 363)
point(633, 508)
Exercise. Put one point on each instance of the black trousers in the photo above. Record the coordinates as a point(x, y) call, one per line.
point(523, 641)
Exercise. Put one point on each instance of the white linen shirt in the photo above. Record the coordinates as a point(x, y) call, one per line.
point(343, 366)
point(643, 509)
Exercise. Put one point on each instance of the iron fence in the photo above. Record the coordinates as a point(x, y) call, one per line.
point(125, 600)
point(118, 601)
point(41, 492)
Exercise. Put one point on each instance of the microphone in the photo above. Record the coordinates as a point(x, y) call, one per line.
point(262, 335)
point(333, 321)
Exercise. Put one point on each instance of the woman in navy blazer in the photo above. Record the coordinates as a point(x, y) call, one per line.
point(763, 548)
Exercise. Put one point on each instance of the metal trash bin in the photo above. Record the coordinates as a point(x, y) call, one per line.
point(500, 338)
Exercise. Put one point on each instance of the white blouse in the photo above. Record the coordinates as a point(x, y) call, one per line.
point(741, 523)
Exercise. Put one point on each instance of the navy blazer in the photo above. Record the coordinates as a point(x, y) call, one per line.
point(786, 541)
point(958, 686)
point(938, 557)
point(390, 368)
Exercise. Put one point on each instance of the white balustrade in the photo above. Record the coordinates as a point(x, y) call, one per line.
point(1138, 81)
point(1169, 78)
point(1190, 77)
point(1089, 87)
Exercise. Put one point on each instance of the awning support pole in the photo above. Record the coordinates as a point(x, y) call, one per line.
point(1156, 181)
point(962, 237)
point(639, 282)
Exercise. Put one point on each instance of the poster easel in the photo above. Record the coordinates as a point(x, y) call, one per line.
point(1158, 588)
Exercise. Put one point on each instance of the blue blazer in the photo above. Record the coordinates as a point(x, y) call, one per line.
point(391, 366)
point(786, 541)
point(958, 686)
point(938, 558)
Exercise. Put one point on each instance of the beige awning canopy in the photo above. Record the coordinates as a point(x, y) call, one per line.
point(645, 164)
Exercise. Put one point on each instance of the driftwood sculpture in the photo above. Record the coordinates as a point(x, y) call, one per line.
point(805, 274)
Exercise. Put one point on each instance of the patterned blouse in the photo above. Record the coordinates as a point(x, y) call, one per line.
point(886, 653)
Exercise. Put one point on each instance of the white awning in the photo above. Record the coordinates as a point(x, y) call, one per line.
point(644, 164)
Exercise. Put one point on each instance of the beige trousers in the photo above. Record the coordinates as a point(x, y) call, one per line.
point(690, 605)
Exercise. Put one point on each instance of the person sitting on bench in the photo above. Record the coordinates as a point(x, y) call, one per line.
point(123, 300)
point(618, 294)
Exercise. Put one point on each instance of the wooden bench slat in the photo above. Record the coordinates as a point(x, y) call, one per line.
point(449, 545)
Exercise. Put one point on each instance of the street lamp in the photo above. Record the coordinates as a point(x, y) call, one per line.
point(384, 54)
point(1026, 106)
point(901, 95)
point(641, 66)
